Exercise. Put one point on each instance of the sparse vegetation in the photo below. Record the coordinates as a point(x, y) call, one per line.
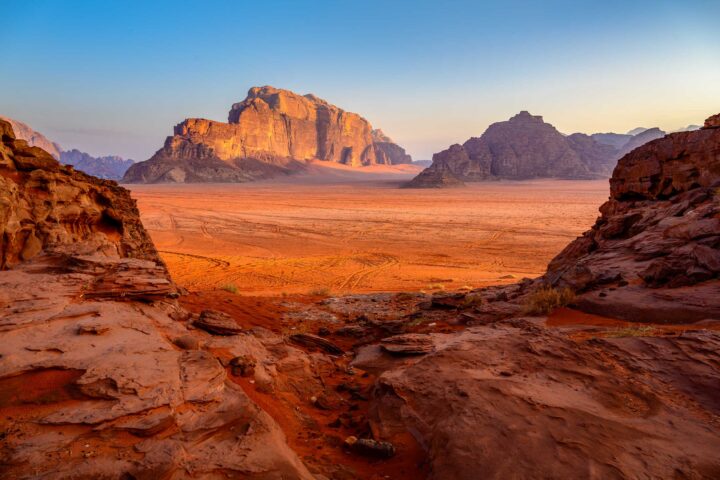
point(229, 287)
point(472, 300)
point(634, 331)
point(404, 296)
point(546, 299)
point(320, 292)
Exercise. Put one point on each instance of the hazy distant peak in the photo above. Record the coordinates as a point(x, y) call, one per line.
point(637, 131)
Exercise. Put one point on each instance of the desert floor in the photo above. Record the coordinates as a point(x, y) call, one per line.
point(363, 236)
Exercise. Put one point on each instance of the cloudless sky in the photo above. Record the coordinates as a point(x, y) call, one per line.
point(113, 77)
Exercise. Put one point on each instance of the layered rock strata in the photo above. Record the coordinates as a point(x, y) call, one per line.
point(270, 133)
point(654, 253)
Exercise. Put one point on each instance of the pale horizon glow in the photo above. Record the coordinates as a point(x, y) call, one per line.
point(115, 77)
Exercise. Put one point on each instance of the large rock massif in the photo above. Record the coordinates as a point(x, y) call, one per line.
point(111, 167)
point(526, 147)
point(272, 132)
point(93, 383)
point(654, 254)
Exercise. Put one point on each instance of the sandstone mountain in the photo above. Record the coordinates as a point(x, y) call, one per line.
point(271, 132)
point(110, 167)
point(527, 147)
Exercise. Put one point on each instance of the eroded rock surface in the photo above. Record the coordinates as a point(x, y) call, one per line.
point(654, 254)
point(516, 400)
point(270, 133)
point(93, 384)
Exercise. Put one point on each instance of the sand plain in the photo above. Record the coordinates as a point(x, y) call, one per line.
point(352, 235)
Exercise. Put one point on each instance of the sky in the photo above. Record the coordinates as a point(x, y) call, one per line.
point(114, 77)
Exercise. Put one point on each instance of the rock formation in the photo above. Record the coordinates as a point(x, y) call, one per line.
point(581, 401)
point(272, 132)
point(34, 139)
point(100, 375)
point(526, 147)
point(110, 167)
point(658, 233)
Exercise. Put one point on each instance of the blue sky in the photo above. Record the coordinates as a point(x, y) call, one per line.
point(113, 77)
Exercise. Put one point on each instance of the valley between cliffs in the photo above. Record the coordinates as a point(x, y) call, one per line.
point(114, 364)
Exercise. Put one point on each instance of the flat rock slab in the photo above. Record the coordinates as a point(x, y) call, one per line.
point(217, 323)
point(408, 344)
point(318, 342)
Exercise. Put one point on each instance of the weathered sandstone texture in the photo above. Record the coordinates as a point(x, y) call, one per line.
point(527, 147)
point(110, 167)
point(654, 253)
point(33, 138)
point(93, 380)
point(272, 132)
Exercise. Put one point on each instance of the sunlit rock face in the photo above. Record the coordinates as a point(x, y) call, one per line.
point(269, 133)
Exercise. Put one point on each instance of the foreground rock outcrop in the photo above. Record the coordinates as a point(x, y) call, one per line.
point(110, 167)
point(527, 147)
point(272, 132)
point(654, 254)
point(99, 373)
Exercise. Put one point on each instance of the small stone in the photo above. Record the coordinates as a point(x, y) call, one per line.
point(217, 323)
point(187, 342)
point(370, 447)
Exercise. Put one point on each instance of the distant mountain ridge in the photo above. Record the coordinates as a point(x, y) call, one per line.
point(272, 132)
point(525, 147)
point(111, 167)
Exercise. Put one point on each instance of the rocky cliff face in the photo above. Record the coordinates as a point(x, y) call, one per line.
point(99, 365)
point(269, 133)
point(34, 139)
point(658, 234)
point(609, 399)
point(110, 167)
point(48, 206)
point(527, 147)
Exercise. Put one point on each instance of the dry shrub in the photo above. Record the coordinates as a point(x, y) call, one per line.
point(639, 331)
point(320, 292)
point(546, 299)
point(230, 287)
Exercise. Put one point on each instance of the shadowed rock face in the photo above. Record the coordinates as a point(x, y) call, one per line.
point(33, 138)
point(269, 133)
point(527, 147)
point(658, 235)
point(109, 167)
point(48, 206)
